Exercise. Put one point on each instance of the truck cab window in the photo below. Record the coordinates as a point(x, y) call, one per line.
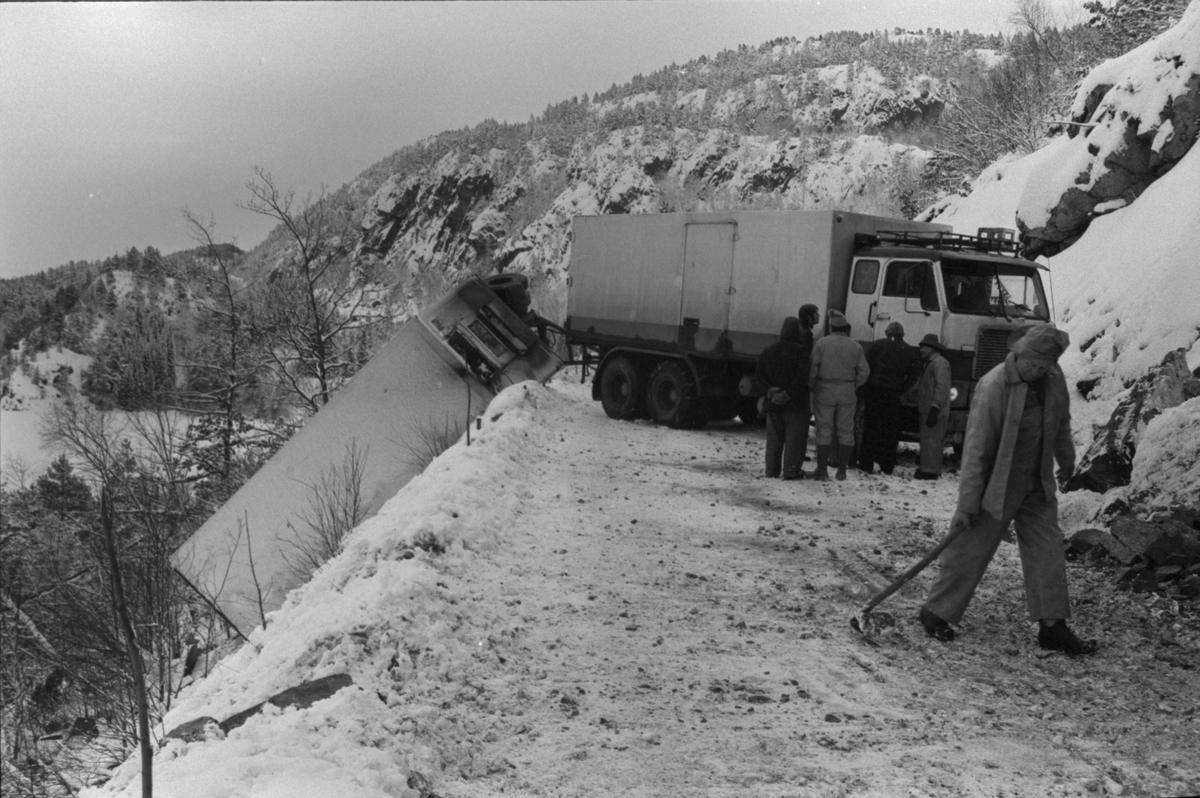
point(985, 288)
point(866, 277)
point(912, 280)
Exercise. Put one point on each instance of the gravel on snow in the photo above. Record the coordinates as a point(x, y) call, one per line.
point(684, 629)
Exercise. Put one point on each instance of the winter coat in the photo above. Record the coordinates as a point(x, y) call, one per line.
point(933, 388)
point(892, 364)
point(992, 428)
point(806, 341)
point(838, 368)
point(784, 365)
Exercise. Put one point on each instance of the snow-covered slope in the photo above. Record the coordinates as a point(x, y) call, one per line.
point(28, 396)
point(1128, 291)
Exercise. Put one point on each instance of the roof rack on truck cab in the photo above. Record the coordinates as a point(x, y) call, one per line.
point(990, 239)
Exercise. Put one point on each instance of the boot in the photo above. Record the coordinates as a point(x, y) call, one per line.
point(822, 472)
point(935, 627)
point(1059, 637)
point(849, 455)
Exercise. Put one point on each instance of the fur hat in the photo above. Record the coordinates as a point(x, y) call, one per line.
point(931, 340)
point(895, 330)
point(1043, 342)
point(837, 321)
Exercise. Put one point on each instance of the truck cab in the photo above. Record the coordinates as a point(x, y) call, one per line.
point(971, 291)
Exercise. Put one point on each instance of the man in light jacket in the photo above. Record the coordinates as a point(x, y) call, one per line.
point(1020, 423)
point(933, 407)
point(838, 368)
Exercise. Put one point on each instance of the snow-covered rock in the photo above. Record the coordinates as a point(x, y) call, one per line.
point(1136, 117)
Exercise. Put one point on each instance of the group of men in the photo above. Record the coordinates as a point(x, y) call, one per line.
point(831, 380)
point(1018, 427)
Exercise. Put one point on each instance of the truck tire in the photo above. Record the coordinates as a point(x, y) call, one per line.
point(621, 390)
point(672, 398)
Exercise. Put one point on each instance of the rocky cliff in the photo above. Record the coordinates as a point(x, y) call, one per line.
point(820, 138)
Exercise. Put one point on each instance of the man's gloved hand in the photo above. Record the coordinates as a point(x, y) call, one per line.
point(931, 417)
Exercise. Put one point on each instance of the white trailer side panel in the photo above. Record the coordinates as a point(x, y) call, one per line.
point(668, 281)
point(627, 276)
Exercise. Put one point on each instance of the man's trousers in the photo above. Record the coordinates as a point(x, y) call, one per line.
point(787, 439)
point(1043, 560)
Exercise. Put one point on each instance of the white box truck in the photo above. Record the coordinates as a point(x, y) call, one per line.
point(674, 309)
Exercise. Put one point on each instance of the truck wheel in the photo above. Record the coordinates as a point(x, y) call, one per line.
point(672, 397)
point(621, 390)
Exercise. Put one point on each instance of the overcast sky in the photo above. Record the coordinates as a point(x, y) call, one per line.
point(114, 117)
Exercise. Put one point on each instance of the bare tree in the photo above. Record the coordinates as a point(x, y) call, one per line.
point(137, 672)
point(231, 366)
point(314, 299)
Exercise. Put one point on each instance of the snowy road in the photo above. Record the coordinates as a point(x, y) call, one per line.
point(691, 620)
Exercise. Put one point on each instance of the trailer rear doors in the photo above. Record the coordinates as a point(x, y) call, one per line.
point(707, 285)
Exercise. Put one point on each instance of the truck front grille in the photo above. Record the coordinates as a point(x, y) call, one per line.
point(991, 347)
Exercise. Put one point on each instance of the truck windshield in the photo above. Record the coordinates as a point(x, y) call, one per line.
point(981, 288)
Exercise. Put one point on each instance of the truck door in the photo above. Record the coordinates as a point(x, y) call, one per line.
point(707, 285)
point(908, 295)
point(863, 298)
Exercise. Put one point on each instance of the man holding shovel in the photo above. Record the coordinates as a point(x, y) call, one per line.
point(1020, 423)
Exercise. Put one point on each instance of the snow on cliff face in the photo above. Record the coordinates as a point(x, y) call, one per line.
point(1140, 114)
point(1127, 290)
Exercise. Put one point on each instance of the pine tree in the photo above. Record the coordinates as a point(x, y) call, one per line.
point(59, 489)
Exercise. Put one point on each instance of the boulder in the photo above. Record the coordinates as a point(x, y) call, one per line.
point(196, 730)
point(302, 696)
point(1095, 543)
point(1108, 462)
point(1168, 543)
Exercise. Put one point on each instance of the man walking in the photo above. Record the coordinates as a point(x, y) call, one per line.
point(891, 362)
point(782, 377)
point(933, 407)
point(838, 368)
point(1020, 424)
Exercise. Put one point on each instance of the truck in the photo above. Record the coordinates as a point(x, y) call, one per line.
point(672, 310)
point(433, 378)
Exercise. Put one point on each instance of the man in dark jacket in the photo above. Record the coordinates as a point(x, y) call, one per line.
point(782, 378)
point(809, 316)
point(892, 371)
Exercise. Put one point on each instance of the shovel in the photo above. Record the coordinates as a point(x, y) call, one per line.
point(859, 622)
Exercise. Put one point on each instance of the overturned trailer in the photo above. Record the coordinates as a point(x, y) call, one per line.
point(438, 371)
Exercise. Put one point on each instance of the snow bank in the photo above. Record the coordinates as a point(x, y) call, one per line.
point(1128, 292)
point(383, 613)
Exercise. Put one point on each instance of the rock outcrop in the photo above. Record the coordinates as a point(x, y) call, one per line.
point(1108, 463)
point(1133, 119)
point(507, 205)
